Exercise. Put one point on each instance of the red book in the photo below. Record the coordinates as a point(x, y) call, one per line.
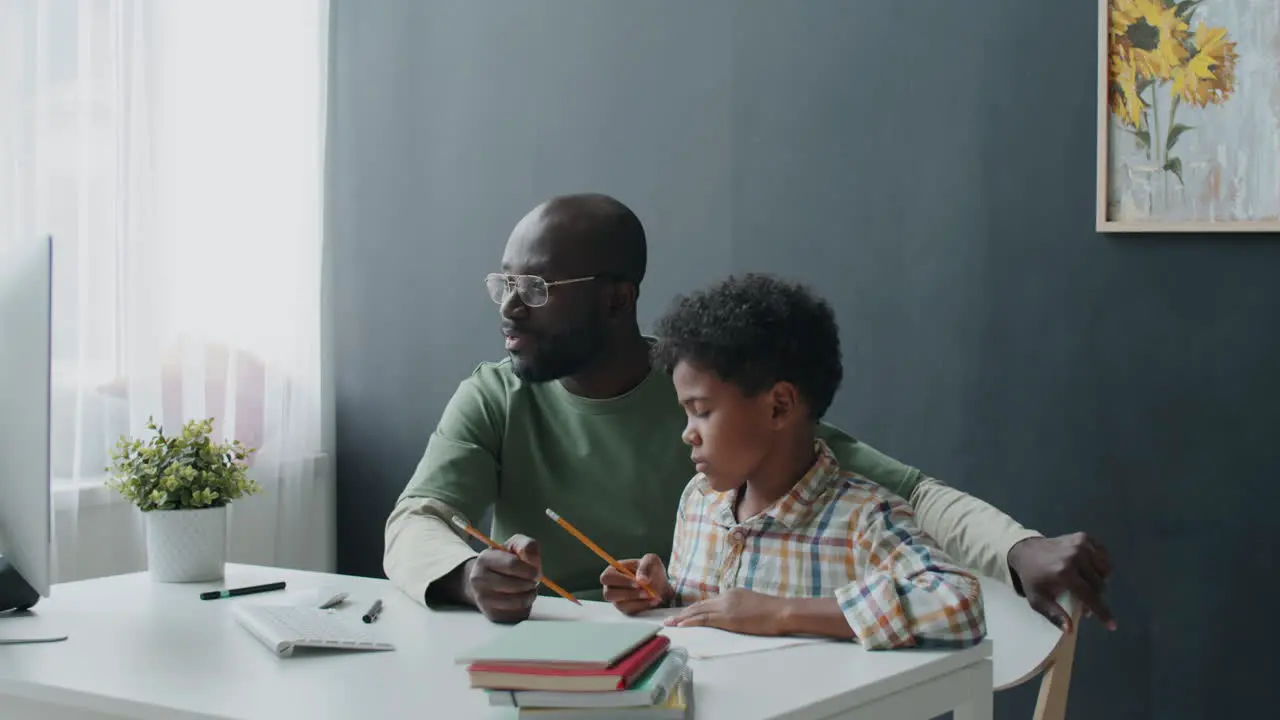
point(533, 676)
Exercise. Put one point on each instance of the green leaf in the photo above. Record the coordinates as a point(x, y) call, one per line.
point(1186, 8)
point(184, 470)
point(1175, 132)
point(1174, 165)
point(1143, 137)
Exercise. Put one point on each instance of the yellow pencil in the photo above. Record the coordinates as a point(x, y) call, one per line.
point(596, 549)
point(465, 527)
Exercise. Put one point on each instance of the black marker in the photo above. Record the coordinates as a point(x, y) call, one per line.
point(217, 594)
point(373, 612)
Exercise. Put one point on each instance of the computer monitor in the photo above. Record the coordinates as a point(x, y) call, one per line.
point(26, 286)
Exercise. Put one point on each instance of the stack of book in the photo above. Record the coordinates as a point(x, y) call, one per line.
point(575, 670)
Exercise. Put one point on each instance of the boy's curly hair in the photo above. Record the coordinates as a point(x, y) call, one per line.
point(754, 331)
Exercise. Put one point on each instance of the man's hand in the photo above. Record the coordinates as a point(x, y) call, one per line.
point(740, 611)
point(627, 595)
point(504, 583)
point(1048, 566)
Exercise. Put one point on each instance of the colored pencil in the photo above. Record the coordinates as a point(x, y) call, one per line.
point(465, 527)
point(598, 551)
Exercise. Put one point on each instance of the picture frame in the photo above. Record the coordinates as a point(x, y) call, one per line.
point(1159, 171)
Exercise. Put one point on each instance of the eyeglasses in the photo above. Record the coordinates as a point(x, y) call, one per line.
point(533, 290)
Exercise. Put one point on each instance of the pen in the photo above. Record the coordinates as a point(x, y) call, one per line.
point(596, 549)
point(373, 611)
point(462, 524)
point(333, 601)
point(218, 594)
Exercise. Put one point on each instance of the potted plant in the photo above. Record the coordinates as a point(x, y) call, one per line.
point(183, 484)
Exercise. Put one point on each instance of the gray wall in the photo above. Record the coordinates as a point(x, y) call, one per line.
point(929, 167)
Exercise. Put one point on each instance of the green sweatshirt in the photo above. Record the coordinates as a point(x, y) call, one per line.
point(613, 468)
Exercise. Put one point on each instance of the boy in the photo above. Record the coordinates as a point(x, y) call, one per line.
point(772, 537)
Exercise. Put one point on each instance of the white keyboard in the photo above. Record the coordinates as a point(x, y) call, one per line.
point(285, 627)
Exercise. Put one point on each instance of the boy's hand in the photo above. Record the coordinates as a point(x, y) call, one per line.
point(629, 597)
point(740, 611)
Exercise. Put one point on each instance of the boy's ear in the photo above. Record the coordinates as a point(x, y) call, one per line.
point(786, 403)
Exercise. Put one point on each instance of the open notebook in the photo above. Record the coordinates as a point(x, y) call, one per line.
point(702, 643)
point(283, 628)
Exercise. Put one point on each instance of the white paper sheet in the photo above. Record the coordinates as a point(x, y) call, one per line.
point(703, 643)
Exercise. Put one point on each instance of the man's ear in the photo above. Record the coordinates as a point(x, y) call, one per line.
point(622, 299)
point(785, 399)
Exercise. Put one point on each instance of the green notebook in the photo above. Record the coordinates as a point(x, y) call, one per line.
point(566, 643)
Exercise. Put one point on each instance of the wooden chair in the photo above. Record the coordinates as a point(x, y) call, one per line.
point(1027, 645)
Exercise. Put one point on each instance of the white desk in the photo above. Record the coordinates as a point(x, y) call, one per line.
point(142, 649)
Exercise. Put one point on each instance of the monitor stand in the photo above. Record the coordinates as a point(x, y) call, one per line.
point(15, 592)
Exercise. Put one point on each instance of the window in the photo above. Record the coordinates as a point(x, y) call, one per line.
point(174, 151)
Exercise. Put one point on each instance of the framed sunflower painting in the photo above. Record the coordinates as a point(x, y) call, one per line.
point(1189, 116)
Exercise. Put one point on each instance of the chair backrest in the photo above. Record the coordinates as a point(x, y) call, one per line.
point(1025, 645)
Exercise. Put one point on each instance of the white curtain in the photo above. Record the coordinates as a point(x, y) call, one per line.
point(174, 150)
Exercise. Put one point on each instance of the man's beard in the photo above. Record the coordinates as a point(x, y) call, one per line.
point(560, 355)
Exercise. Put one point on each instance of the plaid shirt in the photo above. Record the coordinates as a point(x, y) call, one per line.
point(838, 535)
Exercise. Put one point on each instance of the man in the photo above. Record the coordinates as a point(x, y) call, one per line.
point(575, 420)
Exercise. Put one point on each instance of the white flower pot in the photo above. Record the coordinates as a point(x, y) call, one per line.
point(187, 545)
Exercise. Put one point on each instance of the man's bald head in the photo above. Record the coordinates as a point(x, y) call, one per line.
point(590, 251)
point(599, 234)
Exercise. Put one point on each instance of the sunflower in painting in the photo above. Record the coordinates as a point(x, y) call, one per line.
point(1126, 94)
point(1152, 33)
point(1153, 53)
point(1208, 76)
